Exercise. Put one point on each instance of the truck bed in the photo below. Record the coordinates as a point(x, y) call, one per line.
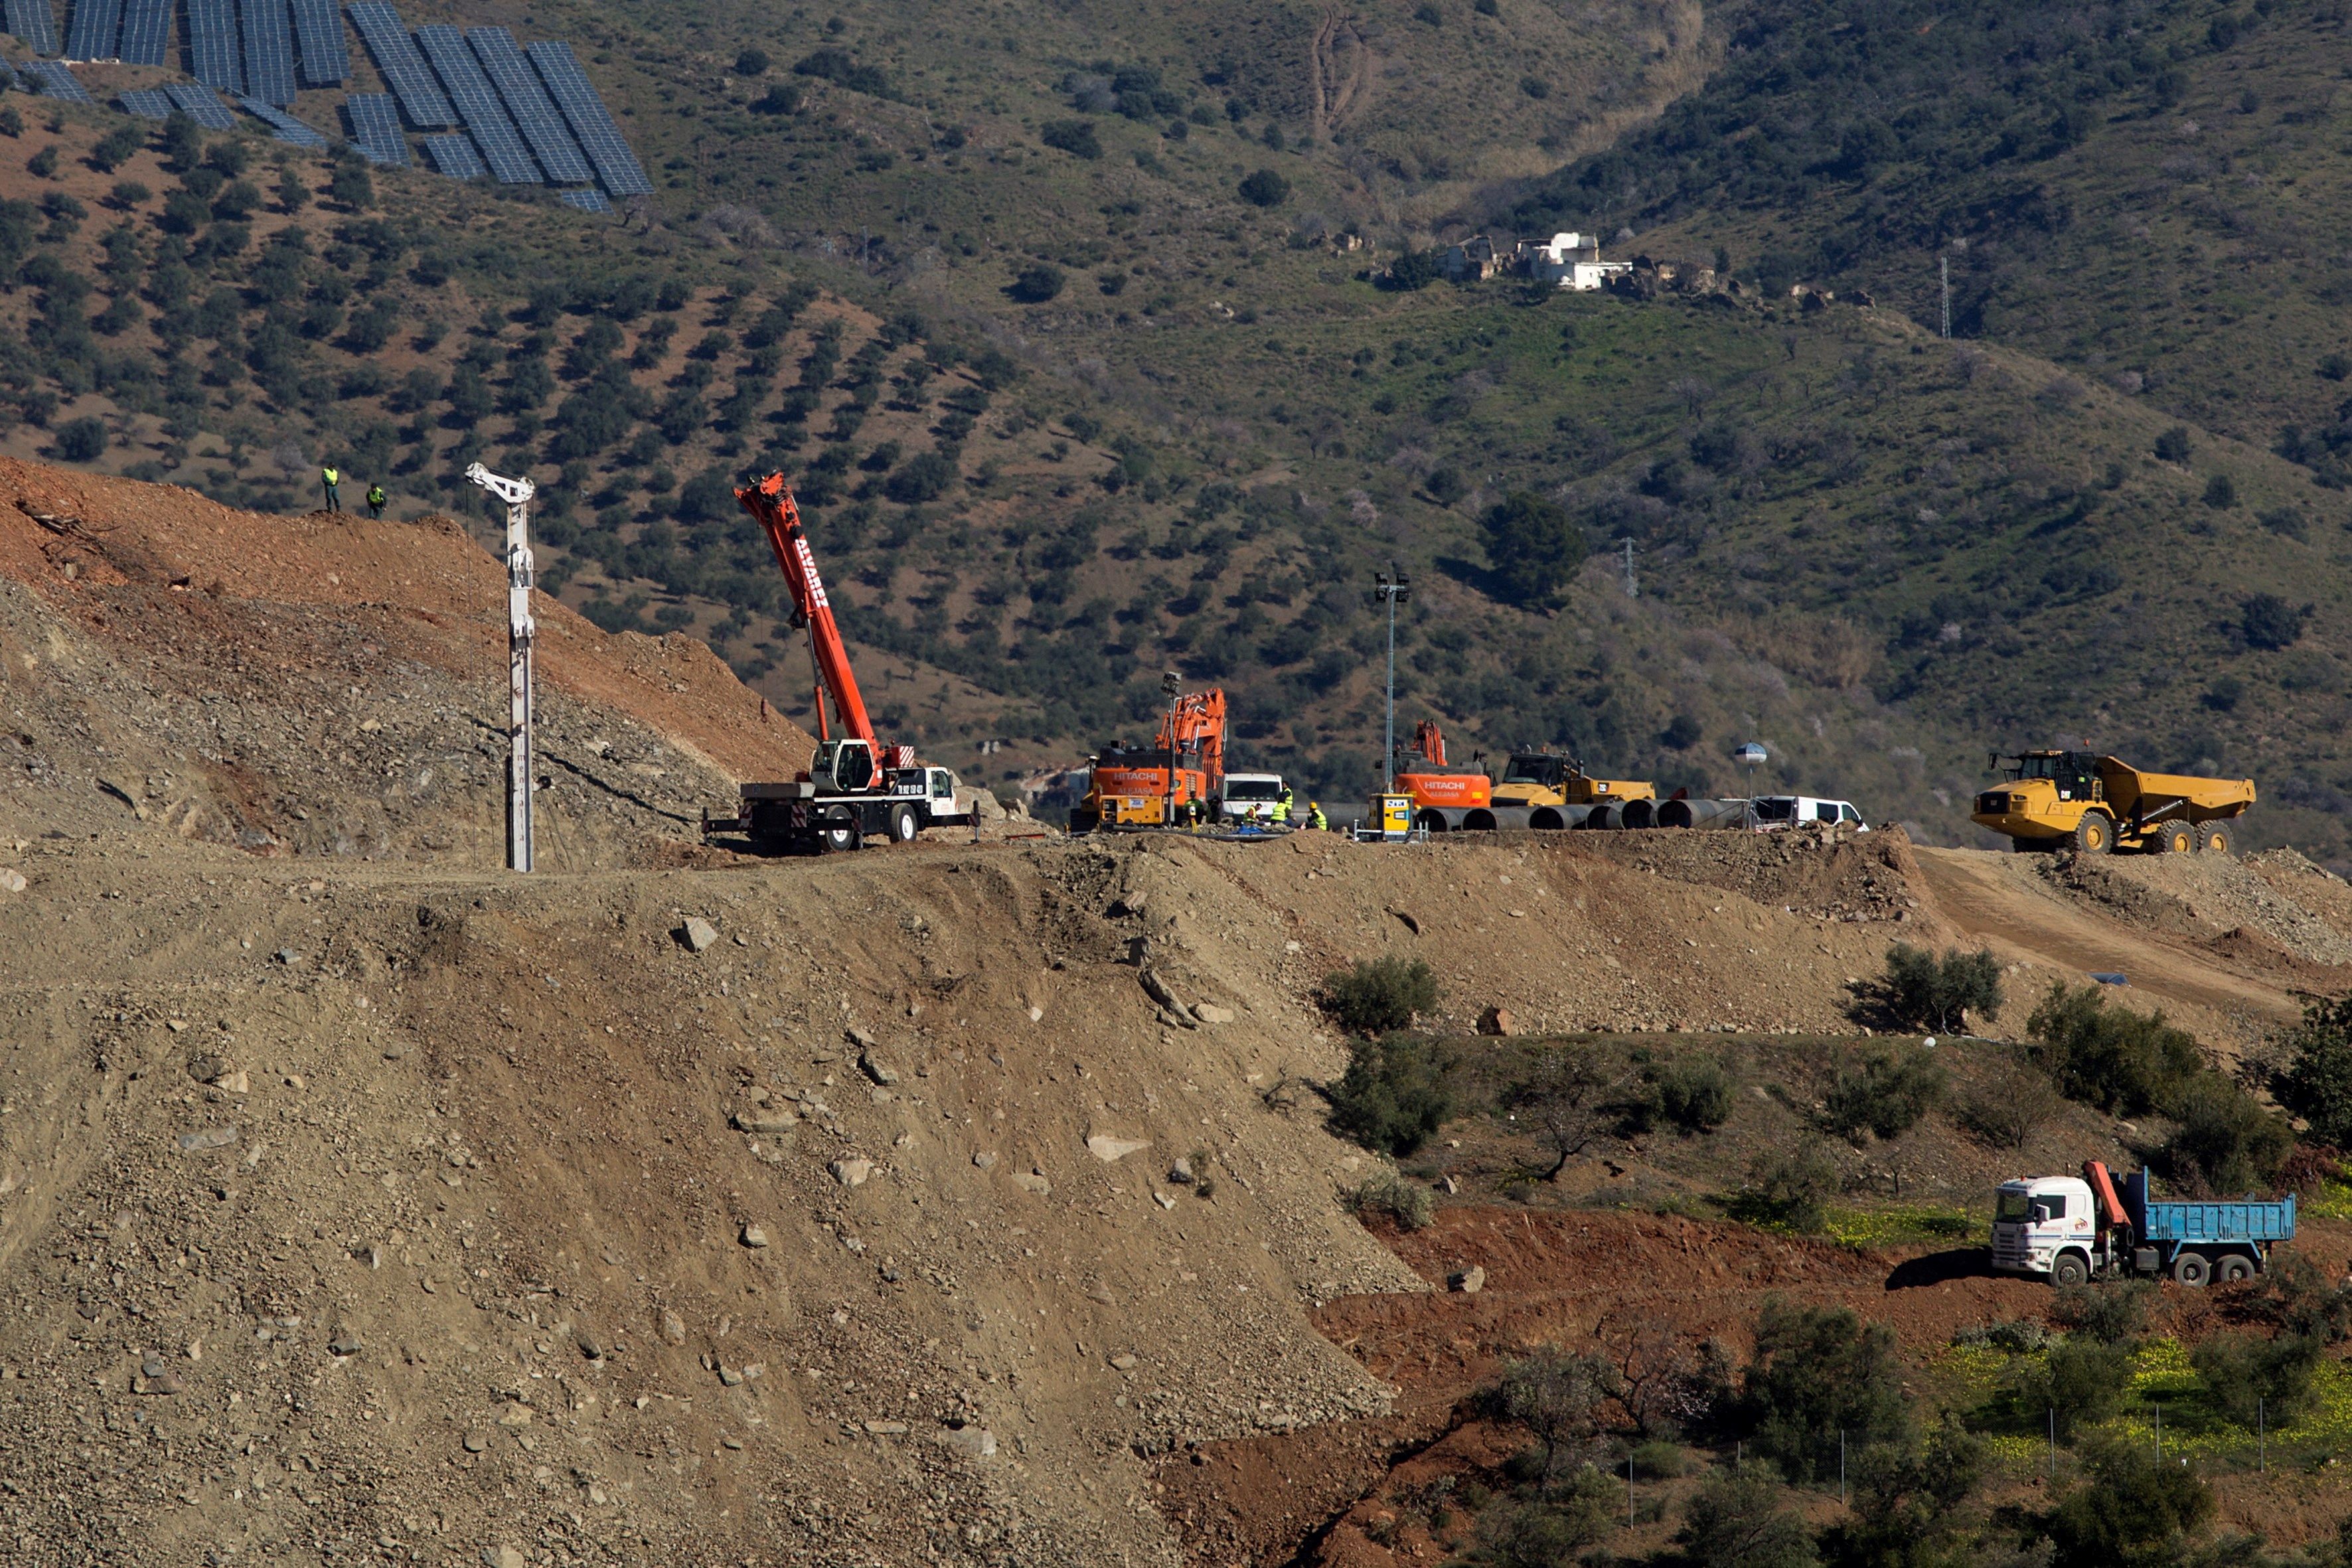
point(2222, 1220)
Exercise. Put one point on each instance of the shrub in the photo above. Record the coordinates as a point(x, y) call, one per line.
point(1888, 1096)
point(1407, 1203)
point(2298, 1299)
point(1925, 992)
point(2270, 623)
point(1380, 996)
point(1739, 1519)
point(1818, 1371)
point(782, 98)
point(1569, 1098)
point(2255, 1379)
point(2132, 1507)
point(1394, 1095)
point(2110, 1314)
point(837, 67)
point(2174, 446)
point(2317, 1083)
point(1907, 1498)
point(81, 440)
point(1695, 1093)
point(1265, 188)
point(1035, 285)
point(2221, 492)
point(1414, 270)
point(2080, 1382)
point(1445, 485)
point(1558, 1398)
point(925, 476)
point(1535, 545)
point(750, 62)
point(2006, 1110)
point(1076, 137)
point(2226, 1142)
point(1791, 1186)
point(2122, 1062)
point(1551, 1531)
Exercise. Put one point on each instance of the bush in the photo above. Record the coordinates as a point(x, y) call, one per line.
point(2298, 1299)
point(2111, 1314)
point(1035, 285)
point(750, 62)
point(2226, 1142)
point(1906, 1498)
point(1413, 271)
point(2006, 1110)
point(2174, 446)
point(2252, 1379)
point(1535, 545)
point(1888, 1096)
point(1552, 1532)
point(1404, 1202)
point(2132, 1508)
point(1558, 1398)
point(1265, 188)
point(2080, 1382)
point(2122, 1062)
point(1695, 1093)
point(925, 476)
point(1925, 992)
point(1380, 996)
point(1394, 1095)
point(81, 440)
point(1076, 137)
point(2221, 493)
point(2270, 623)
point(782, 98)
point(1737, 1519)
point(2317, 1083)
point(1789, 1187)
point(1818, 1371)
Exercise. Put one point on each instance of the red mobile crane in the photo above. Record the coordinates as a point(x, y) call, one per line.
point(855, 787)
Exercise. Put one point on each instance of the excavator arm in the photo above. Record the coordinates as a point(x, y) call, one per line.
point(770, 504)
point(1199, 720)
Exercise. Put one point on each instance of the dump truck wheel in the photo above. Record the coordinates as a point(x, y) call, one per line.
point(2173, 838)
point(2213, 838)
point(2095, 833)
point(2191, 1269)
point(2229, 1270)
point(2072, 1269)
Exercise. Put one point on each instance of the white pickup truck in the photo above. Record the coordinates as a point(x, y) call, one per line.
point(1779, 810)
point(1250, 797)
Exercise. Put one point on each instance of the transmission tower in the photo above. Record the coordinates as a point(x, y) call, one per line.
point(1945, 262)
point(1633, 587)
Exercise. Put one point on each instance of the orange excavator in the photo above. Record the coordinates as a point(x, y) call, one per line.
point(1157, 786)
point(855, 789)
point(1444, 797)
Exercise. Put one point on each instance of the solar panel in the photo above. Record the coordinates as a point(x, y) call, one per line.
point(375, 129)
point(91, 31)
point(617, 166)
point(147, 103)
point(485, 122)
point(319, 29)
point(283, 125)
point(54, 80)
point(268, 51)
point(146, 33)
point(590, 200)
point(213, 57)
point(33, 22)
point(535, 115)
point(455, 156)
point(201, 104)
point(394, 53)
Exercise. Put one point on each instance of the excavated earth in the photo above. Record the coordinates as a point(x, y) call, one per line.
point(360, 1201)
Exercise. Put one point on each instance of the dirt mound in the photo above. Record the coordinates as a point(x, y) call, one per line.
point(1825, 872)
point(2208, 896)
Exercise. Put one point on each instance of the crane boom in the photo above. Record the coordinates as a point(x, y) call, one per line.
point(770, 503)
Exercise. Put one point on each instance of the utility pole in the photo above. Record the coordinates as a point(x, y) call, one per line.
point(1945, 262)
point(1170, 684)
point(1633, 587)
point(1391, 591)
point(521, 632)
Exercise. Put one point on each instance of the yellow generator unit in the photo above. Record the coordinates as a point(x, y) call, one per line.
point(2057, 800)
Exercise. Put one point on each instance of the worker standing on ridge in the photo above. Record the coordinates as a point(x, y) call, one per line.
point(1282, 808)
point(1315, 817)
point(375, 500)
point(330, 477)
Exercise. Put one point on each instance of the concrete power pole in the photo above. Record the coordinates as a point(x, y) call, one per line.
point(521, 632)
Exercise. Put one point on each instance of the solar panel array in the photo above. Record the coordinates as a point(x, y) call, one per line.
point(213, 57)
point(535, 115)
point(589, 200)
point(269, 50)
point(617, 166)
point(375, 129)
point(455, 156)
point(91, 31)
point(146, 33)
point(485, 119)
point(54, 80)
point(147, 103)
point(319, 29)
point(394, 53)
point(33, 22)
point(283, 125)
point(201, 104)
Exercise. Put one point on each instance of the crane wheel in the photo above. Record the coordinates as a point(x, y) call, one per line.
point(840, 831)
point(2214, 839)
point(2095, 833)
point(2173, 838)
point(903, 825)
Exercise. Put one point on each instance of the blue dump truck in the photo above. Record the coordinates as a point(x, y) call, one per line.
point(2075, 1228)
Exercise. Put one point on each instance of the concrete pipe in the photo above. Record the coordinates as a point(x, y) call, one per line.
point(1435, 818)
point(1553, 819)
point(1602, 817)
point(1510, 815)
point(1702, 813)
point(1639, 814)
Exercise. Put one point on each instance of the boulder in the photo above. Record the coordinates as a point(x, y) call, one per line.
point(1469, 1281)
point(1110, 1148)
point(697, 936)
point(1497, 1021)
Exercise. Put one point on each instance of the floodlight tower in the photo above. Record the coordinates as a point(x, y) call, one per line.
point(521, 632)
point(1391, 592)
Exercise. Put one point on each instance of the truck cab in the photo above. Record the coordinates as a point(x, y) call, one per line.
point(1250, 797)
point(2037, 1220)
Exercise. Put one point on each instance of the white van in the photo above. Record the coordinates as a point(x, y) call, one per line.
point(1250, 797)
point(1781, 810)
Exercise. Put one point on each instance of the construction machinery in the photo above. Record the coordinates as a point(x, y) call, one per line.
point(2079, 800)
point(1167, 784)
point(855, 789)
point(1445, 799)
point(1551, 790)
point(2070, 1229)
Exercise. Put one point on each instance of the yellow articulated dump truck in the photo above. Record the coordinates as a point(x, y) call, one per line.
point(2077, 800)
point(1554, 790)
